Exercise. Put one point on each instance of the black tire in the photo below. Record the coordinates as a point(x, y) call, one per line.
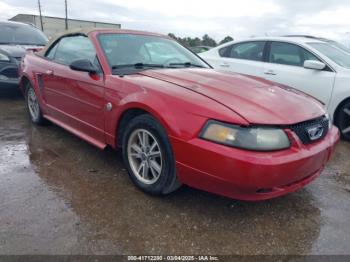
point(167, 181)
point(342, 121)
point(37, 118)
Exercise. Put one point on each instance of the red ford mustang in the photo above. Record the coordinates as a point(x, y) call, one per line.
point(177, 120)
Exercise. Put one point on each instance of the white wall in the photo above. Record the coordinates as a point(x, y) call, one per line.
point(54, 26)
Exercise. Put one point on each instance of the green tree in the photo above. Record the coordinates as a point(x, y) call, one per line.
point(226, 39)
point(172, 36)
point(208, 41)
point(196, 41)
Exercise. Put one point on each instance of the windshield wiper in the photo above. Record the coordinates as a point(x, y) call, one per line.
point(36, 44)
point(19, 43)
point(138, 66)
point(186, 64)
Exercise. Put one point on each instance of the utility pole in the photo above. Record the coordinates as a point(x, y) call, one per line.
point(65, 2)
point(41, 17)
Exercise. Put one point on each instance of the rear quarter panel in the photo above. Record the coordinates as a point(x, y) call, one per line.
point(341, 91)
point(31, 65)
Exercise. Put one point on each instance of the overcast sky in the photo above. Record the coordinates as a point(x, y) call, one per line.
point(238, 18)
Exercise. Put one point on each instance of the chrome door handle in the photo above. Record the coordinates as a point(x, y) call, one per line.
point(225, 65)
point(270, 72)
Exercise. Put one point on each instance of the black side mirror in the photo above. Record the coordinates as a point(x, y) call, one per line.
point(83, 65)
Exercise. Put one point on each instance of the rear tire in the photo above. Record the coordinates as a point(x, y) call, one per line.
point(33, 106)
point(148, 156)
point(342, 121)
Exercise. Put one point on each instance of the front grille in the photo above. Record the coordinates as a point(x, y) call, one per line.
point(301, 129)
point(10, 72)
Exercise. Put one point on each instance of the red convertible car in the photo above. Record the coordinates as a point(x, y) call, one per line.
point(177, 120)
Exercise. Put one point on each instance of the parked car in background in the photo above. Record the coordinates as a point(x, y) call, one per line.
point(200, 49)
point(15, 39)
point(317, 66)
point(177, 120)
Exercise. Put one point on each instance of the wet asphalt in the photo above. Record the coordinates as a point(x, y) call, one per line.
point(59, 195)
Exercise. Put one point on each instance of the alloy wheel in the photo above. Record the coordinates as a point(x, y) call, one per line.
point(33, 104)
point(145, 156)
point(345, 124)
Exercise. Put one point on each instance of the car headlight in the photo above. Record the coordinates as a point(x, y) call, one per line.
point(4, 58)
point(250, 138)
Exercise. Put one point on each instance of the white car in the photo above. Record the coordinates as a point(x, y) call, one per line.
point(316, 66)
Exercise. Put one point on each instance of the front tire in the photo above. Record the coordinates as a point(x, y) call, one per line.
point(33, 106)
point(342, 121)
point(148, 156)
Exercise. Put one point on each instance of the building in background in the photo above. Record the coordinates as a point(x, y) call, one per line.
point(56, 25)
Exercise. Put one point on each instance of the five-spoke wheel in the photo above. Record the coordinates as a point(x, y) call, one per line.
point(342, 121)
point(33, 105)
point(148, 155)
point(145, 156)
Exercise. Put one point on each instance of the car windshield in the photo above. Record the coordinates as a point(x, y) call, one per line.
point(21, 34)
point(341, 56)
point(340, 46)
point(138, 52)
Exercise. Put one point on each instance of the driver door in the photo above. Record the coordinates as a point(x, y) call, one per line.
point(76, 99)
point(285, 66)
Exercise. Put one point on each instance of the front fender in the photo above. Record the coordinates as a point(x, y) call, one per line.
point(182, 112)
point(147, 102)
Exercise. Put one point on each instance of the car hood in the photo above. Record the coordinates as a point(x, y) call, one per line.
point(256, 100)
point(17, 50)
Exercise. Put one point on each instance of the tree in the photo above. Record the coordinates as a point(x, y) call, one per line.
point(226, 39)
point(196, 41)
point(208, 41)
point(172, 36)
point(183, 41)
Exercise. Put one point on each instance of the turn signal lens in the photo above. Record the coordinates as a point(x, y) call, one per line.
point(220, 133)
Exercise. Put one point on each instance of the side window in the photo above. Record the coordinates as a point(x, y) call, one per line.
point(249, 51)
point(308, 56)
point(51, 53)
point(223, 51)
point(289, 54)
point(72, 48)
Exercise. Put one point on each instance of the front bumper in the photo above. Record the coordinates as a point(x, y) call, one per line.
point(9, 78)
point(248, 175)
point(9, 84)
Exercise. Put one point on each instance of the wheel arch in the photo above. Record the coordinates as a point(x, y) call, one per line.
point(23, 83)
point(134, 109)
point(123, 120)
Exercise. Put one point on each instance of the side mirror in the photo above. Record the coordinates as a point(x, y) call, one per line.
point(83, 65)
point(312, 64)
